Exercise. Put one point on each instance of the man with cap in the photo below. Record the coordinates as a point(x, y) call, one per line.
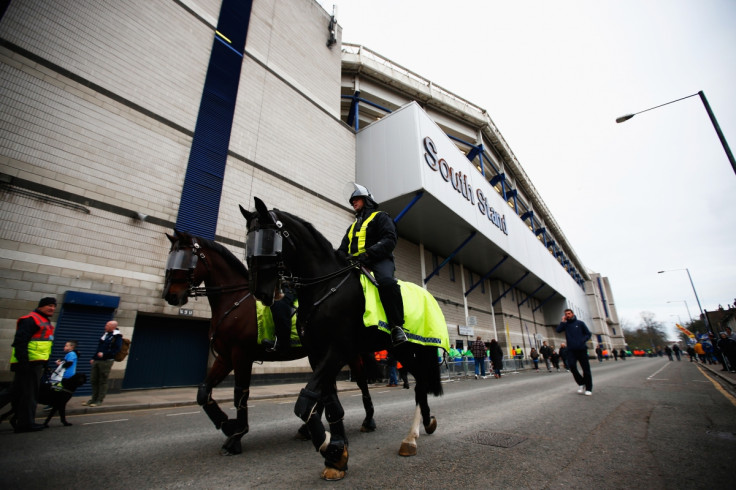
point(371, 240)
point(34, 336)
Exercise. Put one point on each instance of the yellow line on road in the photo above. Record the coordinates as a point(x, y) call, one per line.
point(718, 386)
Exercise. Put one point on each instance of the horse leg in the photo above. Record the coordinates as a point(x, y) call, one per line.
point(336, 451)
point(220, 369)
point(421, 413)
point(333, 448)
point(357, 368)
point(302, 432)
point(236, 428)
point(409, 444)
point(428, 420)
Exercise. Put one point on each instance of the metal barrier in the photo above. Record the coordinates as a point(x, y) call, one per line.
point(464, 367)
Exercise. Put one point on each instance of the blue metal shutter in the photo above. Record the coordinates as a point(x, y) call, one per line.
point(82, 318)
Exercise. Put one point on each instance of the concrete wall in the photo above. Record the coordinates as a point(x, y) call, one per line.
point(99, 105)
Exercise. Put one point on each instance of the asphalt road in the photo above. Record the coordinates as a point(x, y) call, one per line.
point(650, 422)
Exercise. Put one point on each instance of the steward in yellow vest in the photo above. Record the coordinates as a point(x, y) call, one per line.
point(371, 240)
point(34, 336)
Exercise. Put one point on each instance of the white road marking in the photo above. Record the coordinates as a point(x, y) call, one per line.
point(105, 422)
point(658, 371)
point(183, 413)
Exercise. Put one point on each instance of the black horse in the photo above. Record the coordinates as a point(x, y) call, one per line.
point(284, 248)
point(233, 329)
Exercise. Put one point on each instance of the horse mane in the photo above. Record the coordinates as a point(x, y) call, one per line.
point(319, 237)
point(226, 254)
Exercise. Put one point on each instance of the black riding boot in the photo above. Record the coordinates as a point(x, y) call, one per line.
point(390, 294)
point(398, 336)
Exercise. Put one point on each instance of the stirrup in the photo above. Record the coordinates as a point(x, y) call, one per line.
point(269, 345)
point(398, 336)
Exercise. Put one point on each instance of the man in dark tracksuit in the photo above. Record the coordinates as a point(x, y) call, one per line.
point(371, 240)
point(577, 334)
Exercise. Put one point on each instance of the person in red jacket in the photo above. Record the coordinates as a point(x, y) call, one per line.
point(34, 336)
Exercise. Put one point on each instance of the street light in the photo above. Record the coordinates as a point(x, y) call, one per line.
point(710, 114)
point(686, 307)
point(705, 318)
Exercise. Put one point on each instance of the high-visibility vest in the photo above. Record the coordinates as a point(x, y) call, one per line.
point(360, 234)
point(39, 347)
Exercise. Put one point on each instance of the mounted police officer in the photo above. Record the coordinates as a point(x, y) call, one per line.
point(281, 311)
point(371, 240)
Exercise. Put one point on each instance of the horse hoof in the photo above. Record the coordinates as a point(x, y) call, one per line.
point(302, 434)
point(231, 447)
point(432, 426)
point(408, 449)
point(369, 426)
point(332, 474)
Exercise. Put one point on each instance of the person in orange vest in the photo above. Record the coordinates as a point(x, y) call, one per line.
point(382, 360)
point(34, 336)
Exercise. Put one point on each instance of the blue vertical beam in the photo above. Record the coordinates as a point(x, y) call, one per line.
point(545, 300)
point(530, 216)
point(409, 206)
point(353, 112)
point(356, 104)
point(450, 257)
point(512, 195)
point(480, 159)
point(486, 275)
point(542, 231)
point(531, 294)
point(603, 297)
point(510, 288)
point(199, 206)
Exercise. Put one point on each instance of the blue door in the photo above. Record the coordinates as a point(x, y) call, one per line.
point(167, 352)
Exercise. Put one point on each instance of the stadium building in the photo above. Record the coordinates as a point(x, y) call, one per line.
point(120, 121)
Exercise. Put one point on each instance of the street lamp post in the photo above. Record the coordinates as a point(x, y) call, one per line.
point(712, 117)
point(686, 307)
point(705, 318)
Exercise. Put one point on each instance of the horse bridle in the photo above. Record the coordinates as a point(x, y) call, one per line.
point(199, 291)
point(267, 241)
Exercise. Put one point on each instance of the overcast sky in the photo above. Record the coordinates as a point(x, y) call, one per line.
point(654, 193)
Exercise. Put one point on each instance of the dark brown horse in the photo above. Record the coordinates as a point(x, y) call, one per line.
point(285, 249)
point(233, 329)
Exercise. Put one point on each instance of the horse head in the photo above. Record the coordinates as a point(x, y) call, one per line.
point(264, 252)
point(181, 268)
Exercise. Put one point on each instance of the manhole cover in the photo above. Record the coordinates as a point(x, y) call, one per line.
point(497, 439)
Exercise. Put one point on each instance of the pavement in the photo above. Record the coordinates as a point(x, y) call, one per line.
point(181, 397)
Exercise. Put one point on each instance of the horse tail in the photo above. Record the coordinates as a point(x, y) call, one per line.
point(434, 377)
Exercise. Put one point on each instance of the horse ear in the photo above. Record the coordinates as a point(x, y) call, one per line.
point(172, 238)
point(262, 210)
point(246, 214)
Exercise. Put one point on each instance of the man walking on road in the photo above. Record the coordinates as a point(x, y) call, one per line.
point(577, 334)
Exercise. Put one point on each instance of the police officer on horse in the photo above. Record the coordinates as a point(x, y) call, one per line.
point(371, 240)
